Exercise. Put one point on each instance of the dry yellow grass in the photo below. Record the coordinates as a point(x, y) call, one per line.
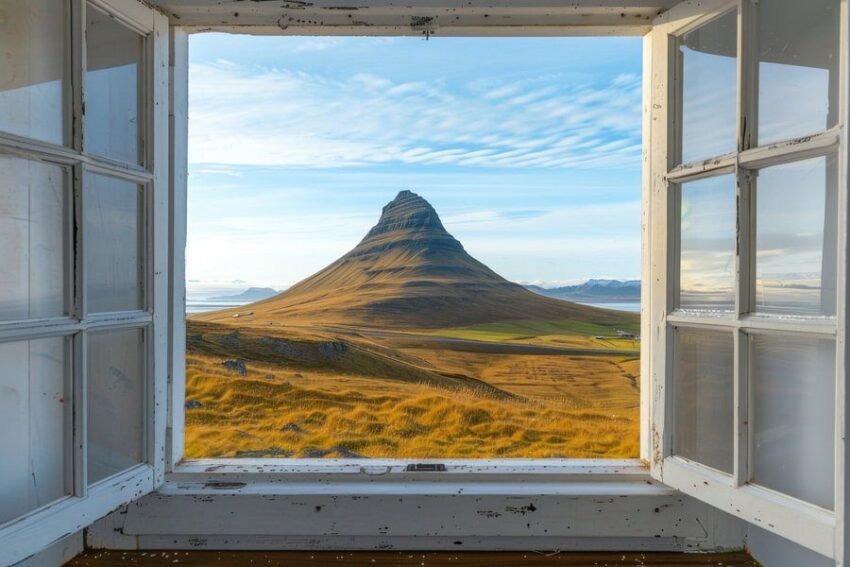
point(407, 346)
point(563, 406)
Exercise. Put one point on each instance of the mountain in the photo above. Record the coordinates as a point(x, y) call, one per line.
point(250, 294)
point(408, 272)
point(595, 291)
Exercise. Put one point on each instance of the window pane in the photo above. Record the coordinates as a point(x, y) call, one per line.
point(33, 205)
point(708, 232)
point(704, 397)
point(793, 398)
point(113, 78)
point(709, 72)
point(32, 68)
point(796, 238)
point(34, 415)
point(116, 402)
point(798, 68)
point(113, 236)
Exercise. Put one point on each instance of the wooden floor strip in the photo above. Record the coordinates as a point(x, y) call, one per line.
point(96, 558)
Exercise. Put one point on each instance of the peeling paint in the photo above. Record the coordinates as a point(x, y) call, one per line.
point(521, 509)
point(656, 446)
point(221, 485)
point(488, 513)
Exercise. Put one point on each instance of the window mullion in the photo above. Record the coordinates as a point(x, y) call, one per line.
point(745, 226)
point(743, 305)
point(77, 256)
point(820, 327)
point(79, 434)
point(747, 76)
point(741, 445)
point(77, 75)
point(77, 253)
point(745, 222)
point(747, 102)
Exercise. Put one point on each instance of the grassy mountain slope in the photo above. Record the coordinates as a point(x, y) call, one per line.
point(409, 272)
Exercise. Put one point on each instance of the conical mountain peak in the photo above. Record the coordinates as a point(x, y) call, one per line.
point(407, 272)
point(407, 212)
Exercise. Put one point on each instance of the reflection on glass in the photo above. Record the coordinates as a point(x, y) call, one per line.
point(708, 232)
point(32, 239)
point(709, 72)
point(798, 68)
point(793, 397)
point(795, 238)
point(116, 402)
point(703, 387)
point(33, 409)
point(113, 77)
point(113, 236)
point(32, 68)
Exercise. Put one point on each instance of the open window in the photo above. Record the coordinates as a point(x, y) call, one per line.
point(361, 286)
point(747, 212)
point(83, 158)
point(743, 307)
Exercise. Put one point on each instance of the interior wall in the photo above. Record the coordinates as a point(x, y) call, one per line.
point(57, 554)
point(774, 551)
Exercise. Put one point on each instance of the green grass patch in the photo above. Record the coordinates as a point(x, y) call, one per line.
point(515, 330)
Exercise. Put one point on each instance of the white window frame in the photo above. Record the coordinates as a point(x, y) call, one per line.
point(798, 521)
point(176, 463)
point(25, 535)
point(377, 504)
point(270, 504)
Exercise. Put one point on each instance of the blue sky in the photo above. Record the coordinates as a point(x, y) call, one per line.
point(529, 149)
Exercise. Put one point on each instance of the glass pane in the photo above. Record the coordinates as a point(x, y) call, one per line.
point(709, 75)
point(34, 415)
point(796, 238)
point(704, 397)
point(33, 205)
point(33, 74)
point(116, 402)
point(113, 77)
point(113, 233)
point(798, 68)
point(708, 232)
point(793, 424)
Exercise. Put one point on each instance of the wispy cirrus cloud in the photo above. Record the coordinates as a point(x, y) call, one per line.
point(529, 148)
point(248, 115)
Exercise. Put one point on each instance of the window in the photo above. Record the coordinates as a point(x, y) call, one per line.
point(720, 298)
point(35, 402)
point(760, 341)
point(79, 305)
point(748, 343)
point(384, 268)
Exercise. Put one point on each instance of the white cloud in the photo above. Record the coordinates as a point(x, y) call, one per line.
point(243, 115)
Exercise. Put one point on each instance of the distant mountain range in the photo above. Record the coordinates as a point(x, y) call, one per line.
point(594, 291)
point(409, 272)
point(250, 294)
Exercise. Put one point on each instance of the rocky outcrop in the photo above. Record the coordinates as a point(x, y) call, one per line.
point(236, 365)
point(409, 212)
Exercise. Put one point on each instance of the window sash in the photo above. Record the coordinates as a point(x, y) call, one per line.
point(799, 521)
point(36, 529)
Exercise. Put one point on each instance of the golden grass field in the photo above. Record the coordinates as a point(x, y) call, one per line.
point(425, 394)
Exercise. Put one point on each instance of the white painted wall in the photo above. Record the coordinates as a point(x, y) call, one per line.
point(773, 551)
point(57, 554)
